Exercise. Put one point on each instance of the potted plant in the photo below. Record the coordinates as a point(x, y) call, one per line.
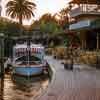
point(68, 63)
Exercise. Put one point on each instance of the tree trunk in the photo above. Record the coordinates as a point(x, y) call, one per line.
point(21, 24)
point(20, 19)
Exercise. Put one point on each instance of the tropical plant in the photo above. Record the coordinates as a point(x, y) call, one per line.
point(9, 28)
point(20, 9)
point(47, 24)
point(35, 25)
point(12, 29)
point(64, 18)
point(49, 27)
point(47, 18)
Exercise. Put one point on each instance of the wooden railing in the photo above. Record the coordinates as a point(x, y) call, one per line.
point(85, 9)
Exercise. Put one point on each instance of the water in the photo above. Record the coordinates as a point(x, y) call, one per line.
point(22, 88)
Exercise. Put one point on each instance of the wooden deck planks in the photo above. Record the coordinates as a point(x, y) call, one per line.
point(72, 85)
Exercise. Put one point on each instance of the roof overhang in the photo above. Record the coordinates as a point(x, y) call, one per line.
point(85, 25)
point(85, 2)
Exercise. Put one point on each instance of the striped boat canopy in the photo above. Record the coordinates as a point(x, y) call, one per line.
point(22, 49)
point(32, 48)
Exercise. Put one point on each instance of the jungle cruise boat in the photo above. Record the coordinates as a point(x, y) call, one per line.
point(28, 60)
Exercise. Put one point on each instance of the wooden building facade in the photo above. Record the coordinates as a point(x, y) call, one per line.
point(86, 22)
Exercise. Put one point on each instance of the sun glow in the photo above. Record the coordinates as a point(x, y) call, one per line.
point(42, 7)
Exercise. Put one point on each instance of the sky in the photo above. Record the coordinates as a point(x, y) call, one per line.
point(42, 7)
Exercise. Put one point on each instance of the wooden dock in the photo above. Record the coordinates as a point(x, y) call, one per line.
point(82, 83)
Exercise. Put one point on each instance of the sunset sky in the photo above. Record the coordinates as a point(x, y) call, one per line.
point(43, 6)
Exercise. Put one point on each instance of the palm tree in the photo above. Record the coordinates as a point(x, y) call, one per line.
point(47, 18)
point(20, 9)
point(64, 18)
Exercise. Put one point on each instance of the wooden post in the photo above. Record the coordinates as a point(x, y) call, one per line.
point(97, 42)
point(2, 56)
point(2, 65)
point(85, 44)
point(2, 88)
point(82, 44)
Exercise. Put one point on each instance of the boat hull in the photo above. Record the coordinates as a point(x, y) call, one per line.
point(28, 71)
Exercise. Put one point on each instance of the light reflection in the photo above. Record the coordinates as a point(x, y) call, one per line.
point(16, 90)
point(1, 88)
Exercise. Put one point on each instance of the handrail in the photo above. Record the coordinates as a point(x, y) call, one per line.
point(28, 61)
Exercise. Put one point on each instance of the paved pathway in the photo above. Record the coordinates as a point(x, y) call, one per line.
point(80, 84)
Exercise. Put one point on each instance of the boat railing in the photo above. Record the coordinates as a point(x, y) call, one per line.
point(28, 62)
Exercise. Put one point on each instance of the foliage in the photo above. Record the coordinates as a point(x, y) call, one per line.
point(47, 24)
point(64, 17)
point(48, 18)
point(12, 29)
point(20, 9)
point(73, 40)
point(35, 25)
point(66, 41)
point(9, 28)
point(49, 27)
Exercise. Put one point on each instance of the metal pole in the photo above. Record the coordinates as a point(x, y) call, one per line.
point(29, 49)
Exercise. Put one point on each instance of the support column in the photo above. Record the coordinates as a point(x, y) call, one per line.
point(85, 44)
point(82, 44)
point(83, 39)
point(97, 42)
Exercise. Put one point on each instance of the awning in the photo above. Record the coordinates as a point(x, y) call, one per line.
point(92, 25)
point(95, 24)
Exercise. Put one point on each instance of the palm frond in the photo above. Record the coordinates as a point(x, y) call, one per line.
point(20, 9)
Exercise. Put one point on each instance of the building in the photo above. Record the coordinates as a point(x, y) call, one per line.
point(86, 22)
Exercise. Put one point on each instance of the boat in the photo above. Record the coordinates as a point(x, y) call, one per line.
point(28, 60)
